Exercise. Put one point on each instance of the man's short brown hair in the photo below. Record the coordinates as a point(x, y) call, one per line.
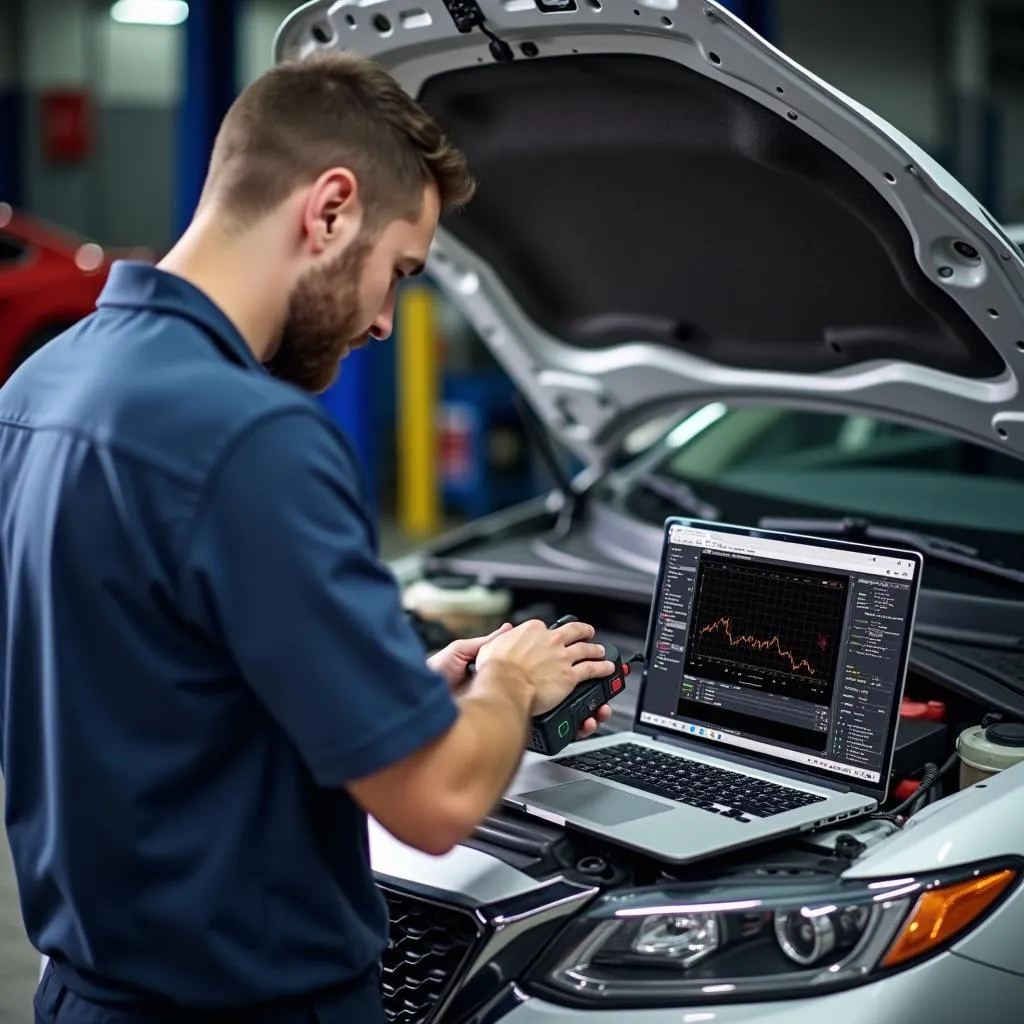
point(303, 117)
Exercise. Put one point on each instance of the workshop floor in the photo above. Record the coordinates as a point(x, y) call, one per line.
point(19, 962)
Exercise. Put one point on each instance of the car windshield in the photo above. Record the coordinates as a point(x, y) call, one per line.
point(750, 462)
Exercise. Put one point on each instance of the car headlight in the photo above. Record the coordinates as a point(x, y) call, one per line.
point(687, 944)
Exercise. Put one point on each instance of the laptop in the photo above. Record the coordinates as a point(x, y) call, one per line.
point(770, 692)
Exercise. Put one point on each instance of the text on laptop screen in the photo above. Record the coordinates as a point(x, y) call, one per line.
point(788, 649)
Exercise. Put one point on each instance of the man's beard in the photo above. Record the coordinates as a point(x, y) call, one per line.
point(322, 322)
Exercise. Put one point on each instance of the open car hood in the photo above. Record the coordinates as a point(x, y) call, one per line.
point(670, 210)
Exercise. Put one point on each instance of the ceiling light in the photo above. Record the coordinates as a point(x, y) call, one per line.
point(149, 12)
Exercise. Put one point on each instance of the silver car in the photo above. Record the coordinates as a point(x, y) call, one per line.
point(724, 289)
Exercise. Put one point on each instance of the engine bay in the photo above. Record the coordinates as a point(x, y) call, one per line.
point(964, 682)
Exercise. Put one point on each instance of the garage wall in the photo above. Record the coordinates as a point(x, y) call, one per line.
point(137, 86)
point(123, 195)
point(54, 55)
point(120, 195)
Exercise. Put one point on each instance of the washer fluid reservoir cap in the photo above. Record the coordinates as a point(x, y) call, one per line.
point(1006, 734)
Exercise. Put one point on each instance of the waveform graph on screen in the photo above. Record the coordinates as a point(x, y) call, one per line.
point(767, 626)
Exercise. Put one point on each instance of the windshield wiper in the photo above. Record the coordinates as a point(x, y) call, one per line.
point(681, 495)
point(938, 549)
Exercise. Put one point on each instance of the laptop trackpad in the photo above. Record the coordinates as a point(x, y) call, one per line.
point(603, 805)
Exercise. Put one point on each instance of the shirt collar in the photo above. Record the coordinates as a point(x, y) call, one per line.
point(133, 284)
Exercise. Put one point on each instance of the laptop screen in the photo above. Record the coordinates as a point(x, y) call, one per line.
point(781, 646)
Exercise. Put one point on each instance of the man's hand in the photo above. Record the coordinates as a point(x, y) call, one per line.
point(554, 660)
point(452, 661)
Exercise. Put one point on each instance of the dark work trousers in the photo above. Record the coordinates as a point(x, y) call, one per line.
point(55, 1003)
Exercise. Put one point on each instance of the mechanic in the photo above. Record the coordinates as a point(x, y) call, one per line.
point(209, 682)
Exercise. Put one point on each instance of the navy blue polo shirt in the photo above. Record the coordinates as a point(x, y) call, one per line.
point(198, 650)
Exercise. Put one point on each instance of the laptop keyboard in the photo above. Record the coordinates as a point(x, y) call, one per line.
point(731, 794)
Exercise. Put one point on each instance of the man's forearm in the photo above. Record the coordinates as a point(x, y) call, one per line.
point(494, 723)
point(435, 797)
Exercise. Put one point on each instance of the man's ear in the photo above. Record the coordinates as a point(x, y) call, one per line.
point(332, 213)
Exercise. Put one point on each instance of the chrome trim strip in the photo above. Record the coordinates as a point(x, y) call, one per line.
point(506, 926)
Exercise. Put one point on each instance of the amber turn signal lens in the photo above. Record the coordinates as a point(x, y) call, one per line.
point(943, 913)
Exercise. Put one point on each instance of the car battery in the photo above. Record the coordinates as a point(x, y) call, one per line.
point(919, 741)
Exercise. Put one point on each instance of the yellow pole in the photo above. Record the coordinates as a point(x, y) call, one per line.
point(419, 497)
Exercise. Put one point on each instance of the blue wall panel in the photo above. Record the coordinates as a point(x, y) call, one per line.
point(350, 404)
point(211, 45)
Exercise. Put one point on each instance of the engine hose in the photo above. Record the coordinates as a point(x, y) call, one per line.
point(950, 764)
point(936, 792)
point(928, 779)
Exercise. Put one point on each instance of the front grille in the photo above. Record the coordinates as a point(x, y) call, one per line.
point(429, 947)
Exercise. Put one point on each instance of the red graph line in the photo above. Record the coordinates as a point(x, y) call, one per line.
point(725, 625)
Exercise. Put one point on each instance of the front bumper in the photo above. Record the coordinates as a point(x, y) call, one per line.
point(518, 910)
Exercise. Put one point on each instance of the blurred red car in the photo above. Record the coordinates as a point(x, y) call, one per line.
point(49, 279)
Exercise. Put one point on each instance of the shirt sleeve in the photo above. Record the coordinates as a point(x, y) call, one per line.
point(282, 567)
